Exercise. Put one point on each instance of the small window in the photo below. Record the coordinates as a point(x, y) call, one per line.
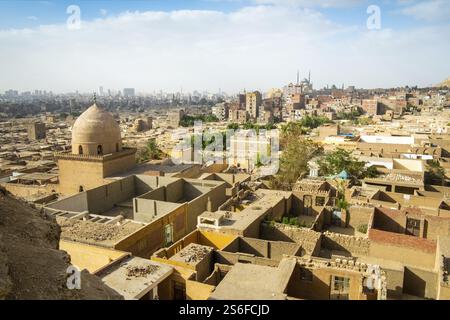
point(412, 227)
point(99, 150)
point(320, 201)
point(341, 284)
point(80, 150)
point(81, 189)
point(306, 275)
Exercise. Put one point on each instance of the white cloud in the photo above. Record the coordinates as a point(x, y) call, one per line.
point(103, 12)
point(431, 10)
point(254, 48)
point(314, 3)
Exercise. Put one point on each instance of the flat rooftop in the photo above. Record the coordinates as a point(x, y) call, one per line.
point(252, 282)
point(397, 178)
point(96, 233)
point(134, 276)
point(192, 254)
point(241, 220)
point(36, 176)
point(146, 168)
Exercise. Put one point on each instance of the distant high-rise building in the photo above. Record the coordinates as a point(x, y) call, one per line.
point(237, 115)
point(295, 102)
point(220, 110)
point(128, 92)
point(241, 101)
point(11, 93)
point(252, 103)
point(100, 91)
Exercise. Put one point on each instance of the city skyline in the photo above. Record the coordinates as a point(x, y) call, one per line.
point(231, 45)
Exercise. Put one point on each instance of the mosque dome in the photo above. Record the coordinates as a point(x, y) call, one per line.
point(96, 132)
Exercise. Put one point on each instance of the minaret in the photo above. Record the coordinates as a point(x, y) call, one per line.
point(298, 77)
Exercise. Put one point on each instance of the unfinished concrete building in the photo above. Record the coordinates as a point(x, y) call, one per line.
point(165, 208)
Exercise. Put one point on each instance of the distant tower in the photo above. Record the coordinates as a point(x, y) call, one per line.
point(36, 130)
point(309, 77)
point(298, 77)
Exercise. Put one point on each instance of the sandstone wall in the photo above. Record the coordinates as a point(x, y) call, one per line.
point(357, 246)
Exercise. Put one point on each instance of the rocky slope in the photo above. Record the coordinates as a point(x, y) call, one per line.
point(31, 266)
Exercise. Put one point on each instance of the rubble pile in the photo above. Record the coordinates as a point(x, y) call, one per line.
point(194, 253)
point(141, 271)
point(399, 177)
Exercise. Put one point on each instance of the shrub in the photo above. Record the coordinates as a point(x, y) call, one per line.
point(362, 228)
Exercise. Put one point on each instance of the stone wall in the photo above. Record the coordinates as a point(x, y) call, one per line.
point(357, 246)
point(309, 239)
point(359, 216)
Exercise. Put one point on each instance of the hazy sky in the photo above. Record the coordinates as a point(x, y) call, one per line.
point(226, 44)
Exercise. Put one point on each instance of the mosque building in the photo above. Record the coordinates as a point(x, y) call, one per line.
point(97, 152)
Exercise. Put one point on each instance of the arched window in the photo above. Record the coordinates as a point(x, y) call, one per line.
point(117, 147)
point(80, 150)
point(81, 189)
point(99, 149)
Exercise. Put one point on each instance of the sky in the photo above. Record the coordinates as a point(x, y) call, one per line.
point(227, 45)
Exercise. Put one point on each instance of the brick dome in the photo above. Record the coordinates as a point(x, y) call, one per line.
point(96, 132)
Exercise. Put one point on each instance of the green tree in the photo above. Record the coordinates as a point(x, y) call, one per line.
point(342, 203)
point(269, 126)
point(233, 126)
point(294, 128)
point(249, 125)
point(371, 172)
point(149, 152)
point(335, 162)
point(363, 121)
point(352, 115)
point(314, 121)
point(188, 121)
point(294, 161)
point(291, 129)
